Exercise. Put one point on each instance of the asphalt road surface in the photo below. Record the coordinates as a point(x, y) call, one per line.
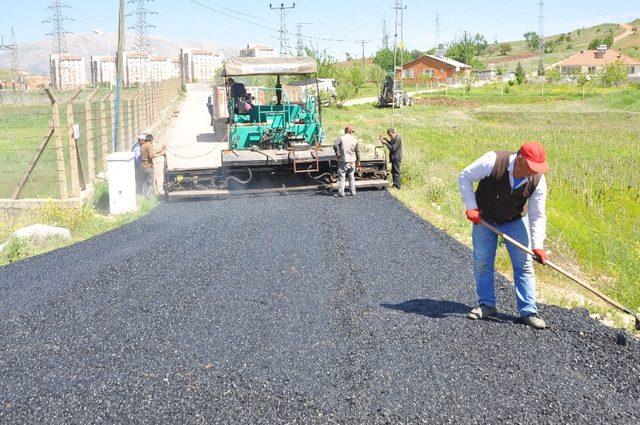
point(277, 309)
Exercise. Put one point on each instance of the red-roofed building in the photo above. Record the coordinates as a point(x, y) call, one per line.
point(592, 61)
point(440, 69)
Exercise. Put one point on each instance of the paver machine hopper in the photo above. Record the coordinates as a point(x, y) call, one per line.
point(275, 137)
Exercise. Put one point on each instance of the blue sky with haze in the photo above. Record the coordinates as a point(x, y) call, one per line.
point(331, 19)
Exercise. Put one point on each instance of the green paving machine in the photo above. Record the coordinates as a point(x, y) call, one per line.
point(274, 137)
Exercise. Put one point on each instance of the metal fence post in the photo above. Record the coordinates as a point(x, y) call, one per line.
point(62, 173)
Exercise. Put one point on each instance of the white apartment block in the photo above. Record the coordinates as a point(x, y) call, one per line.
point(103, 70)
point(137, 68)
point(258, 51)
point(200, 64)
point(162, 68)
point(67, 71)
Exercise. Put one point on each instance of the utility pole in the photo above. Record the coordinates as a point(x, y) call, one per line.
point(466, 48)
point(398, 89)
point(284, 39)
point(438, 30)
point(300, 41)
point(363, 42)
point(541, 38)
point(385, 35)
point(119, 75)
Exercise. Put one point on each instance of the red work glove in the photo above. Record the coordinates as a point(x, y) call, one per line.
point(474, 216)
point(541, 254)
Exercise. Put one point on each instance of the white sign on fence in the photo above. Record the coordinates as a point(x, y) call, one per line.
point(76, 131)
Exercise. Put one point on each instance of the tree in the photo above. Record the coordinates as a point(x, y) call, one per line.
point(614, 74)
point(594, 44)
point(326, 63)
point(520, 75)
point(356, 77)
point(384, 58)
point(415, 54)
point(505, 49)
point(608, 39)
point(533, 40)
point(465, 49)
point(376, 74)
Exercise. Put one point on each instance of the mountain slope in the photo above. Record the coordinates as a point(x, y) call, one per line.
point(35, 56)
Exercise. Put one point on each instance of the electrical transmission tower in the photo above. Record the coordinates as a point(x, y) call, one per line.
point(143, 43)
point(541, 39)
point(12, 49)
point(284, 39)
point(300, 37)
point(385, 35)
point(58, 34)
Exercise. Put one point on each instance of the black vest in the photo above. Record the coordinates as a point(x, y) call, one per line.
point(497, 202)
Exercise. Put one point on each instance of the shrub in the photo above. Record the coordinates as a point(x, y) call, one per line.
point(61, 215)
point(553, 75)
point(613, 74)
point(505, 49)
point(17, 249)
point(520, 75)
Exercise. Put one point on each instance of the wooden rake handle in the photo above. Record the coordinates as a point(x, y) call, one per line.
point(561, 271)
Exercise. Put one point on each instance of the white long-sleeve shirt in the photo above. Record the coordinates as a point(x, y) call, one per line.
point(481, 168)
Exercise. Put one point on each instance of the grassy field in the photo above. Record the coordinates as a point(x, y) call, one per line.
point(592, 144)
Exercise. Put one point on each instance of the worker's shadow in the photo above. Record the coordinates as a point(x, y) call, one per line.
point(438, 309)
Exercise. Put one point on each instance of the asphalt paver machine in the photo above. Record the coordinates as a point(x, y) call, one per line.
point(275, 137)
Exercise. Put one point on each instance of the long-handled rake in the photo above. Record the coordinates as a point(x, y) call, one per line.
point(559, 269)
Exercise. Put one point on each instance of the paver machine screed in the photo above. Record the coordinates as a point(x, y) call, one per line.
point(274, 135)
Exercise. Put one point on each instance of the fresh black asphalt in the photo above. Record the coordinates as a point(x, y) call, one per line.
point(291, 309)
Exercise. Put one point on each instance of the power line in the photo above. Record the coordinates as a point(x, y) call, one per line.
point(284, 39)
point(58, 32)
point(143, 42)
point(258, 25)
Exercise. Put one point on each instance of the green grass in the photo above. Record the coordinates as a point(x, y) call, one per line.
point(84, 223)
point(592, 144)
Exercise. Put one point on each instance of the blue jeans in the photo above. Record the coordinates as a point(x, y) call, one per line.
point(485, 244)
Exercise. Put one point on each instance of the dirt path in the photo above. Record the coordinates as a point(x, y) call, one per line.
point(190, 139)
point(627, 33)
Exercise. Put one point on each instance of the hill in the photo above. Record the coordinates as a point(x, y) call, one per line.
point(35, 56)
point(564, 45)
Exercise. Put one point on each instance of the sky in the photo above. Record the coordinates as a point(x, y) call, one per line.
point(335, 25)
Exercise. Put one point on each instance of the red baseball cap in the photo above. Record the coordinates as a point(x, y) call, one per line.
point(536, 158)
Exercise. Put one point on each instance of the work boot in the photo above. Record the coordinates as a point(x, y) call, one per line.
point(534, 321)
point(482, 312)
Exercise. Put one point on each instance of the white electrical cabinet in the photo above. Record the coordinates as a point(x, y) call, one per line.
point(122, 182)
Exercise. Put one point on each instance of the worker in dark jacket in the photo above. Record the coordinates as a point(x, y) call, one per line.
point(394, 144)
point(507, 182)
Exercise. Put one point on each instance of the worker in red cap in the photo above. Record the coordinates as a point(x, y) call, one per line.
point(506, 183)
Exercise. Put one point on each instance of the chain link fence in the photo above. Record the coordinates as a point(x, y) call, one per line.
point(52, 145)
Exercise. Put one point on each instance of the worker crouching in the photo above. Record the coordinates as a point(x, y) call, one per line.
point(507, 182)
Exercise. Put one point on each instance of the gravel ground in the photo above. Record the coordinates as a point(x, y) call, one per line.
point(288, 309)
